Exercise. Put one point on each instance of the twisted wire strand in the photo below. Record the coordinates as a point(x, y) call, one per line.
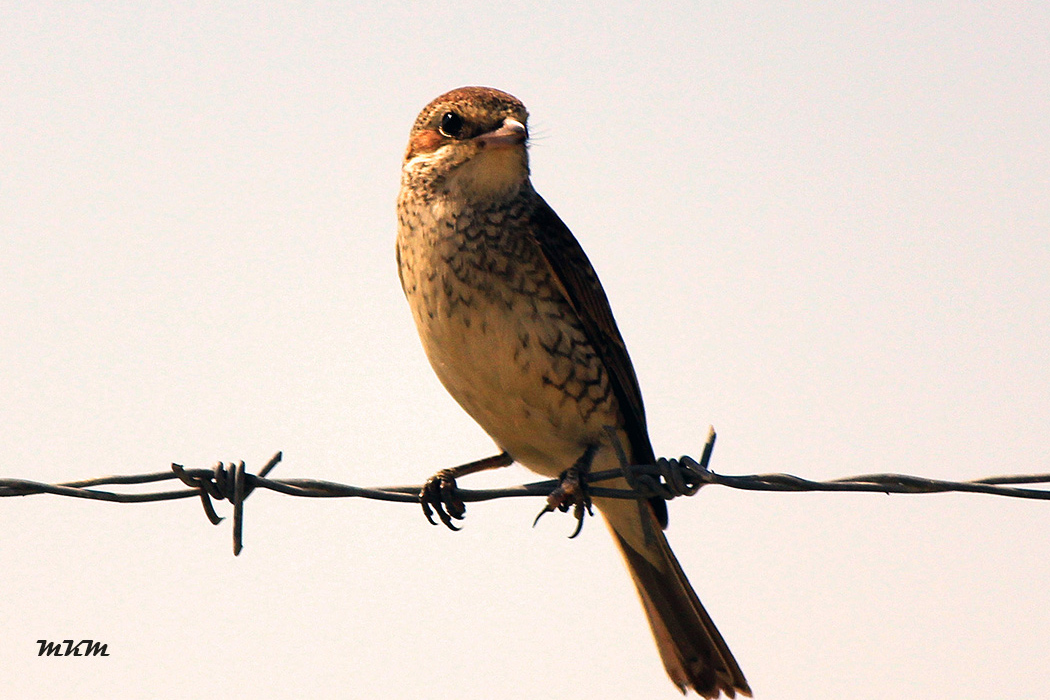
point(667, 478)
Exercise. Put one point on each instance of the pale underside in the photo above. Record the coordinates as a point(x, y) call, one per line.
point(507, 347)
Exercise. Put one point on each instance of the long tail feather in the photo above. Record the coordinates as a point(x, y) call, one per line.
point(693, 651)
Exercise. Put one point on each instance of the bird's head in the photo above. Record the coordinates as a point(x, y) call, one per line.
point(470, 143)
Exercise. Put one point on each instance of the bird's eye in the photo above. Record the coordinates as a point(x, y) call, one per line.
point(451, 125)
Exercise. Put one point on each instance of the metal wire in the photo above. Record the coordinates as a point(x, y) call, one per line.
point(667, 478)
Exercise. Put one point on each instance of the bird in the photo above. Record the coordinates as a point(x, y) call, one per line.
point(518, 328)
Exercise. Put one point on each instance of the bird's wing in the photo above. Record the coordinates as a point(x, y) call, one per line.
point(584, 292)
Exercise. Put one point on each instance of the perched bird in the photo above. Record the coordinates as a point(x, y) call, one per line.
point(518, 328)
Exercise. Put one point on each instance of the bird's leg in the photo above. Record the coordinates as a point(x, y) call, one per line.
point(572, 491)
point(440, 490)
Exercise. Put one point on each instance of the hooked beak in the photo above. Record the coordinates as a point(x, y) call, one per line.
point(511, 133)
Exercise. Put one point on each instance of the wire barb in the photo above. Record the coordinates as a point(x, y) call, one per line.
point(667, 478)
point(226, 483)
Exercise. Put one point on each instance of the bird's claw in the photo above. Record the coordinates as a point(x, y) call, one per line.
point(571, 492)
point(439, 494)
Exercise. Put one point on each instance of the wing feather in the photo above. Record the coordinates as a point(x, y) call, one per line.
point(584, 292)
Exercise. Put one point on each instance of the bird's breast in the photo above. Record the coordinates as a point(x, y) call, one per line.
point(504, 341)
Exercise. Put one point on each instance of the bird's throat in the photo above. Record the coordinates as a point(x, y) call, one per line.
point(493, 173)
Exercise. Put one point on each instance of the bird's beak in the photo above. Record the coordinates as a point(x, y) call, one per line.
point(511, 133)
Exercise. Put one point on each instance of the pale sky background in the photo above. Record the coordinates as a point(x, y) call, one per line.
point(824, 229)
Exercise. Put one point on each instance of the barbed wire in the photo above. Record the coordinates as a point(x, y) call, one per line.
point(667, 478)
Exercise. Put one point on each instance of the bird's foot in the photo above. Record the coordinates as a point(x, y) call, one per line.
point(572, 493)
point(439, 494)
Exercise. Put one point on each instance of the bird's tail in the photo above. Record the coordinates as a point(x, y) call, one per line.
point(693, 651)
